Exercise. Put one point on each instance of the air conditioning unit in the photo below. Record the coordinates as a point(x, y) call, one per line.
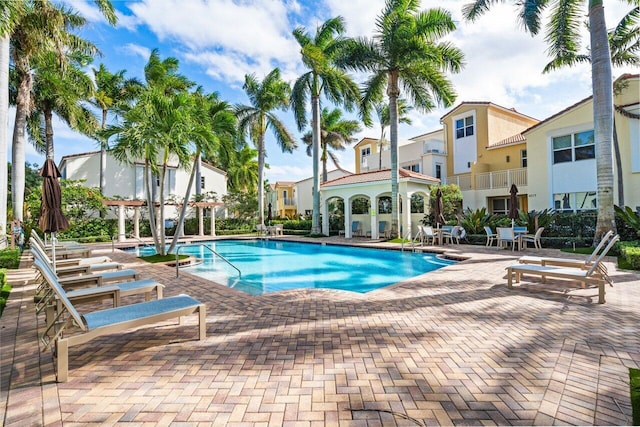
point(433, 151)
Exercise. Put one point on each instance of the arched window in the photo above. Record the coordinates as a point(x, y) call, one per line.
point(417, 203)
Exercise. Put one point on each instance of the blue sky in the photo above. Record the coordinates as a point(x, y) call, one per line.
point(219, 41)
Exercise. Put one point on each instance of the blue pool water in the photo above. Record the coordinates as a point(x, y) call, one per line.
point(271, 265)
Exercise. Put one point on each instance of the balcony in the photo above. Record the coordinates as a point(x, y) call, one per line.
point(490, 180)
point(287, 201)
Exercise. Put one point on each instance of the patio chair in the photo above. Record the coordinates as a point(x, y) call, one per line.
point(428, 235)
point(66, 269)
point(491, 236)
point(594, 275)
point(452, 235)
point(507, 235)
point(355, 229)
point(279, 230)
point(110, 321)
point(382, 229)
point(261, 229)
point(533, 238)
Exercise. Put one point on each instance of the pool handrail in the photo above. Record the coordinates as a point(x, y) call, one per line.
point(211, 250)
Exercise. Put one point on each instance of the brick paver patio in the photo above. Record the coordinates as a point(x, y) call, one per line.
point(453, 347)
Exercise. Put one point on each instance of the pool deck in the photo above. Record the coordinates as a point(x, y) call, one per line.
point(452, 347)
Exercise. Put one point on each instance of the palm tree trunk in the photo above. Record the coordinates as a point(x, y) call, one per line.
point(602, 83)
point(380, 148)
point(393, 92)
point(195, 170)
point(315, 131)
point(48, 132)
point(161, 196)
point(261, 176)
point(151, 206)
point(20, 139)
point(103, 155)
point(616, 150)
point(4, 133)
point(325, 175)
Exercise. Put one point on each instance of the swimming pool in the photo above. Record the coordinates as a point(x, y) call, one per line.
point(272, 265)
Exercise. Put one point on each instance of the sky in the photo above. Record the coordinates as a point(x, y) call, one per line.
point(218, 42)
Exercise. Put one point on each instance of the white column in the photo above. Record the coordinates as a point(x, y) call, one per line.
point(136, 222)
point(122, 235)
point(213, 221)
point(406, 214)
point(347, 219)
point(200, 221)
point(324, 229)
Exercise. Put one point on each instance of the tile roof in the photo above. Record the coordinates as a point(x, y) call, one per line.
point(378, 175)
point(515, 139)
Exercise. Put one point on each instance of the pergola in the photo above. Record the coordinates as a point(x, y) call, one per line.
point(137, 204)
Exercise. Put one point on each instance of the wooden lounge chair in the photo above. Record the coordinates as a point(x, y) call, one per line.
point(594, 274)
point(94, 324)
point(62, 251)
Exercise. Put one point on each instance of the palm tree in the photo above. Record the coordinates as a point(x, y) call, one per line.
point(335, 132)
point(11, 12)
point(319, 54)
point(111, 91)
point(255, 119)
point(160, 125)
point(59, 89)
point(242, 170)
point(42, 27)
point(406, 52)
point(382, 111)
point(624, 43)
point(563, 37)
point(211, 123)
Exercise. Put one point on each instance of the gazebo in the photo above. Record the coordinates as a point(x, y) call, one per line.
point(137, 204)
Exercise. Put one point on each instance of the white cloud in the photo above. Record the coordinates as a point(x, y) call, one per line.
point(136, 50)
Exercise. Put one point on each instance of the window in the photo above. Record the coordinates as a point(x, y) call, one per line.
point(581, 201)
point(384, 205)
point(464, 127)
point(364, 153)
point(413, 168)
point(438, 171)
point(417, 203)
point(202, 182)
point(499, 205)
point(574, 147)
point(360, 205)
point(523, 158)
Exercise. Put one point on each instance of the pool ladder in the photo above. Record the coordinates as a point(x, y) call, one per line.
point(413, 246)
point(212, 251)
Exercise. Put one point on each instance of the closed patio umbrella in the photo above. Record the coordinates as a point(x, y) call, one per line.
point(439, 208)
point(269, 213)
point(52, 219)
point(513, 204)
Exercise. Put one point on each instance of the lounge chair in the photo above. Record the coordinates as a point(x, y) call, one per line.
point(593, 274)
point(491, 236)
point(67, 270)
point(110, 321)
point(507, 235)
point(62, 251)
point(533, 238)
point(569, 262)
point(92, 279)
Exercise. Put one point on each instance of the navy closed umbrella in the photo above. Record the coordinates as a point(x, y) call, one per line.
point(52, 219)
point(513, 204)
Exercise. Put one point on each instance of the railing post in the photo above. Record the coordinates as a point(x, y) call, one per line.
point(508, 178)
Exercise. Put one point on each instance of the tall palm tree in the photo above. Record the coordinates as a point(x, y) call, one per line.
point(43, 27)
point(563, 37)
point(11, 12)
point(384, 119)
point(406, 52)
point(59, 89)
point(624, 43)
point(255, 119)
point(211, 123)
point(335, 132)
point(111, 91)
point(319, 55)
point(242, 170)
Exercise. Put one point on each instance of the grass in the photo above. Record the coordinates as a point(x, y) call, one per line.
point(162, 258)
point(398, 240)
point(634, 385)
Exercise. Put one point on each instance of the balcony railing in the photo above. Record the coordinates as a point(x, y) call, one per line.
point(490, 180)
point(501, 179)
point(287, 201)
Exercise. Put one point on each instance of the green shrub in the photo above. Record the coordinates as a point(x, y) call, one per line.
point(630, 251)
point(5, 289)
point(10, 258)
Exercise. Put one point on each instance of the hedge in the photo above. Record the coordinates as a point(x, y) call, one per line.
point(630, 251)
point(10, 258)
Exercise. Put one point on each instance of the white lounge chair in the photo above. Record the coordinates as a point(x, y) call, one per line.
point(66, 269)
point(62, 251)
point(59, 332)
point(593, 274)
